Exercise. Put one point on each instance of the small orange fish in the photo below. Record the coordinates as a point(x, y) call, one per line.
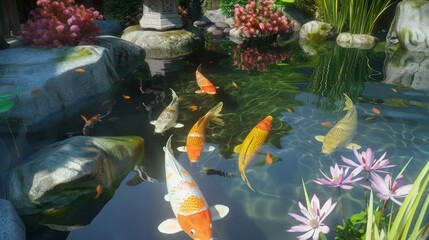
point(98, 190)
point(80, 70)
point(90, 123)
point(126, 97)
point(234, 84)
point(375, 110)
point(268, 158)
point(35, 91)
point(289, 110)
point(326, 124)
point(394, 90)
point(193, 108)
point(112, 119)
point(368, 118)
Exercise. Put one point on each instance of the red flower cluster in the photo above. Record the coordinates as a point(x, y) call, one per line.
point(57, 23)
point(258, 18)
point(250, 58)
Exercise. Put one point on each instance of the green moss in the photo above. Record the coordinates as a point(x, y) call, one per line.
point(418, 4)
point(75, 54)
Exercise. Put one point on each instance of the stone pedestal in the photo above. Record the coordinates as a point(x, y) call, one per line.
point(160, 15)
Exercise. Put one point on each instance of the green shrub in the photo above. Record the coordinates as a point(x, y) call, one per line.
point(227, 6)
point(122, 11)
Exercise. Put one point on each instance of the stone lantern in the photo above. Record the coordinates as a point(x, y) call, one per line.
point(160, 15)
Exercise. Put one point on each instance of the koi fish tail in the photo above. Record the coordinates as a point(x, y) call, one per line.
point(175, 98)
point(214, 114)
point(199, 67)
point(349, 103)
point(244, 177)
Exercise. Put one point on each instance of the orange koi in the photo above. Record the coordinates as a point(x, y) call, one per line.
point(90, 123)
point(289, 110)
point(253, 141)
point(205, 85)
point(369, 118)
point(80, 70)
point(268, 158)
point(326, 124)
point(126, 97)
point(197, 134)
point(98, 190)
point(234, 84)
point(192, 213)
point(394, 90)
point(35, 91)
point(376, 111)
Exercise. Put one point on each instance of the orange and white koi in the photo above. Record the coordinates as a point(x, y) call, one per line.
point(167, 119)
point(268, 158)
point(253, 141)
point(192, 213)
point(205, 85)
point(98, 190)
point(197, 134)
point(90, 123)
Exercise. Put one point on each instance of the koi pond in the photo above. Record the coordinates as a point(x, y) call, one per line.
point(304, 94)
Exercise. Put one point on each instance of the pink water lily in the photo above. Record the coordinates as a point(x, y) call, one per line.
point(386, 189)
point(367, 162)
point(339, 177)
point(312, 219)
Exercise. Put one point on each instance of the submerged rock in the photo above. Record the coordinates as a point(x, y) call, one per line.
point(11, 224)
point(361, 41)
point(409, 27)
point(69, 170)
point(169, 44)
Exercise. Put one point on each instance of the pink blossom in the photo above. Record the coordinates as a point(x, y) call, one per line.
point(60, 28)
point(312, 219)
point(74, 28)
point(339, 178)
point(367, 162)
point(386, 189)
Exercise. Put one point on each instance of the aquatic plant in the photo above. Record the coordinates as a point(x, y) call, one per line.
point(260, 18)
point(6, 103)
point(360, 15)
point(58, 23)
point(312, 221)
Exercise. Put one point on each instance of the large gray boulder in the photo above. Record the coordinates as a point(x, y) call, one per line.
point(58, 78)
point(64, 172)
point(407, 68)
point(11, 224)
point(165, 44)
point(410, 26)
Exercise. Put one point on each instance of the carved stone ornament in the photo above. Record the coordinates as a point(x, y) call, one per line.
point(160, 15)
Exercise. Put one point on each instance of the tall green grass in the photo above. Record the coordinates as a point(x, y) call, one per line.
point(359, 16)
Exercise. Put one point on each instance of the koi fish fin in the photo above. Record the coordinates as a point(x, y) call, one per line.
point(319, 138)
point(167, 197)
point(170, 226)
point(218, 211)
point(214, 114)
point(178, 125)
point(349, 103)
point(84, 118)
point(199, 67)
point(153, 122)
point(182, 149)
point(216, 87)
point(352, 146)
point(209, 149)
point(237, 148)
point(244, 177)
point(199, 91)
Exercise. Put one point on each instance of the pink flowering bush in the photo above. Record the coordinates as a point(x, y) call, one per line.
point(251, 58)
point(260, 18)
point(58, 23)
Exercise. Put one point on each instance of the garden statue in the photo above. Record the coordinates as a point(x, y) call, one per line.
point(160, 15)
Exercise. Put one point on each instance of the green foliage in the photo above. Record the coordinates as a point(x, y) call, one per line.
point(306, 7)
point(121, 11)
point(5, 99)
point(355, 227)
point(227, 6)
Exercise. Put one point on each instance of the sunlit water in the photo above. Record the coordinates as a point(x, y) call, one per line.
point(299, 101)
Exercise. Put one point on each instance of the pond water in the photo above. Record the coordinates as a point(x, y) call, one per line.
point(304, 95)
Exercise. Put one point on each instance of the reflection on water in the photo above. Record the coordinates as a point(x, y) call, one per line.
point(301, 97)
